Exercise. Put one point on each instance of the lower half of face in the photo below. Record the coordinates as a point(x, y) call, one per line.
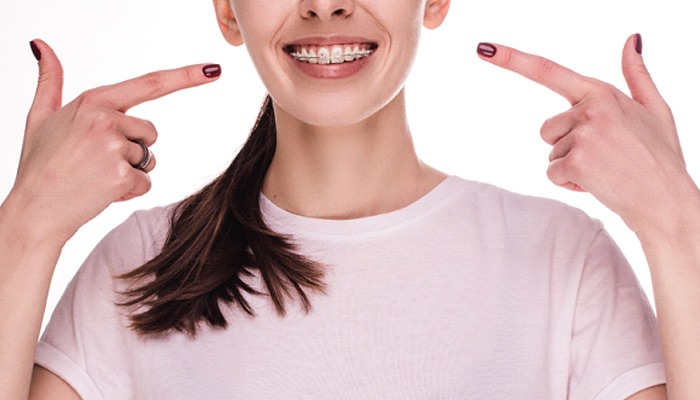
point(331, 69)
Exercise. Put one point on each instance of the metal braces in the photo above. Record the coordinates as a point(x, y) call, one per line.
point(329, 59)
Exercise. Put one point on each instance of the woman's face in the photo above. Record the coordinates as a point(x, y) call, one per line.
point(331, 62)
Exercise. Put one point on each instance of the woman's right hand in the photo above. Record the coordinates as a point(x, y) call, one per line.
point(79, 158)
point(76, 160)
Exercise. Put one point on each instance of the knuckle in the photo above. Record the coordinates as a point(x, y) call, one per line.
point(145, 186)
point(154, 81)
point(557, 172)
point(124, 177)
point(102, 121)
point(595, 112)
point(121, 176)
point(154, 138)
point(88, 97)
point(576, 162)
point(579, 138)
point(603, 91)
point(151, 133)
point(552, 172)
point(139, 185)
point(149, 125)
point(117, 145)
point(508, 58)
point(641, 69)
point(113, 153)
point(545, 130)
point(667, 114)
point(190, 76)
point(608, 87)
point(545, 67)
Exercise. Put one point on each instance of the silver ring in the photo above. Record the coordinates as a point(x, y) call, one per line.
point(147, 156)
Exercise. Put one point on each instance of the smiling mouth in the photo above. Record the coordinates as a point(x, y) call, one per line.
point(334, 54)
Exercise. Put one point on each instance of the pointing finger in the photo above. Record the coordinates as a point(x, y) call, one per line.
point(561, 80)
point(122, 96)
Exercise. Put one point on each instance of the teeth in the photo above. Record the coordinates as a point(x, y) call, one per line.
point(334, 55)
point(337, 55)
point(357, 52)
point(324, 55)
point(349, 54)
point(312, 57)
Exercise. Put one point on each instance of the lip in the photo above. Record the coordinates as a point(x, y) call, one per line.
point(330, 71)
point(329, 40)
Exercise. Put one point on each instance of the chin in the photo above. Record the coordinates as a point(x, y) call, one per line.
point(331, 112)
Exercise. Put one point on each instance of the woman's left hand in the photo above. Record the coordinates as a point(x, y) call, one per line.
point(623, 150)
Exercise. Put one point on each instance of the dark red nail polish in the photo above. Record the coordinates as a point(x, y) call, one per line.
point(35, 50)
point(638, 43)
point(486, 49)
point(211, 70)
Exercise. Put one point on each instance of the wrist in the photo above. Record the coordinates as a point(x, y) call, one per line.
point(25, 225)
point(674, 221)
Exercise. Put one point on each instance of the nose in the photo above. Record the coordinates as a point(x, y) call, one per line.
point(326, 10)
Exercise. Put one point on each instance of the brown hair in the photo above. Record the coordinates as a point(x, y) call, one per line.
point(217, 239)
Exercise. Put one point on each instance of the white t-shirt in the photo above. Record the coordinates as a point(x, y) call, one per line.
point(471, 292)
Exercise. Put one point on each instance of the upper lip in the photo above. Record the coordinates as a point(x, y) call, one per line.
point(329, 40)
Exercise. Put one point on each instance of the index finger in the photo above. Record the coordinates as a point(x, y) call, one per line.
point(558, 78)
point(124, 95)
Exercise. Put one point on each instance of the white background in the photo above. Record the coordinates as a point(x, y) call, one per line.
point(469, 118)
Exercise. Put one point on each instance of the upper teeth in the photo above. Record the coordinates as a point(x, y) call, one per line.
point(332, 55)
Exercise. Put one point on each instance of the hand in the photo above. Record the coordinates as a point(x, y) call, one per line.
point(625, 151)
point(78, 159)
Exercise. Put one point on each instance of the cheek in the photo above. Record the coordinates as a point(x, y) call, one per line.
point(258, 21)
point(403, 16)
point(257, 38)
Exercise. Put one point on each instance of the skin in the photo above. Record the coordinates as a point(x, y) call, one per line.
point(40, 214)
point(361, 137)
point(324, 155)
point(647, 185)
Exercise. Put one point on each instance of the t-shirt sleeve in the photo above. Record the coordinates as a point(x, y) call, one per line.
point(86, 341)
point(615, 349)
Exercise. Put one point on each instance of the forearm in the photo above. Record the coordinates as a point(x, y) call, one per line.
point(673, 254)
point(27, 261)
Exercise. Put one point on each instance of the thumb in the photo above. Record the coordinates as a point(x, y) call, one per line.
point(49, 91)
point(642, 87)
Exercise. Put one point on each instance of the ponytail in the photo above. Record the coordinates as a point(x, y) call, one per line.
point(217, 239)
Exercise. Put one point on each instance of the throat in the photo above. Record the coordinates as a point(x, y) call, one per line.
point(349, 193)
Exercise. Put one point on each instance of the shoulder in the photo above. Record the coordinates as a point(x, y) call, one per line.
point(493, 205)
point(136, 240)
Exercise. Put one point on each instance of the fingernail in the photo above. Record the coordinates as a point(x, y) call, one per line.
point(486, 49)
point(35, 50)
point(211, 70)
point(638, 43)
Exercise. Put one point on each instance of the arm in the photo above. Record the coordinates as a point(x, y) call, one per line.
point(652, 393)
point(46, 385)
point(76, 160)
point(625, 151)
point(672, 250)
point(26, 267)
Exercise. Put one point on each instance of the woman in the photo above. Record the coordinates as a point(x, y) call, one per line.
point(359, 140)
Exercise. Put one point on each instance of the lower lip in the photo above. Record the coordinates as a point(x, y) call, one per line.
point(332, 71)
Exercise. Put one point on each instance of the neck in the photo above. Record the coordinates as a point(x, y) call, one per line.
point(347, 172)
